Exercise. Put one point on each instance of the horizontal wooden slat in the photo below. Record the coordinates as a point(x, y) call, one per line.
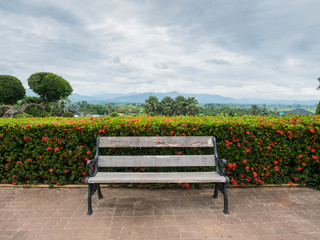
point(156, 177)
point(190, 141)
point(156, 161)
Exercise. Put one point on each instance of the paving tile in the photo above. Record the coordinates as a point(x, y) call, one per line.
point(256, 214)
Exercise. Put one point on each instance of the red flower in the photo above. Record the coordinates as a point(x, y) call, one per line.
point(40, 157)
point(268, 147)
point(66, 171)
point(56, 149)
point(88, 152)
point(49, 148)
point(244, 161)
point(44, 139)
point(19, 162)
point(14, 183)
point(51, 170)
point(281, 133)
point(276, 168)
point(300, 155)
point(275, 162)
point(255, 174)
point(247, 150)
point(179, 153)
point(311, 130)
point(171, 132)
point(299, 168)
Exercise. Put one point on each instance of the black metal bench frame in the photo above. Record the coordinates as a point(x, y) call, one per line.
point(96, 178)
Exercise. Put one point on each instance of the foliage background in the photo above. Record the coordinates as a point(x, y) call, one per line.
point(259, 150)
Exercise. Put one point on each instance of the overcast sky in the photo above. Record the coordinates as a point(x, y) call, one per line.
point(234, 48)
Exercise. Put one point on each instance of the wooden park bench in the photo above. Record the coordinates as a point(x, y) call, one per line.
point(96, 177)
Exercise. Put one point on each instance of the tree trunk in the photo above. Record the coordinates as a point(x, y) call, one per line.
point(11, 110)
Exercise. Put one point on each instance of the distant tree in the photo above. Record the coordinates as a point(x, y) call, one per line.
point(180, 107)
point(57, 109)
point(151, 105)
point(72, 107)
point(318, 109)
point(318, 106)
point(254, 110)
point(192, 108)
point(50, 87)
point(167, 105)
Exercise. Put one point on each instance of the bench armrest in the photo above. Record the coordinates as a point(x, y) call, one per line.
point(94, 163)
point(222, 163)
point(90, 165)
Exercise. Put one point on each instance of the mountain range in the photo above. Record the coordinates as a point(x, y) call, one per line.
point(202, 98)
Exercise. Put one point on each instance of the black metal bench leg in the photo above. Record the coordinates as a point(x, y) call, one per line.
point(100, 196)
point(226, 208)
point(215, 195)
point(89, 199)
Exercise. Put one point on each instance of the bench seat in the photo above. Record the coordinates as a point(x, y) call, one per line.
point(157, 177)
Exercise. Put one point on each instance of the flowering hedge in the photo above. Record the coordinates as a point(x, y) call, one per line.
point(259, 150)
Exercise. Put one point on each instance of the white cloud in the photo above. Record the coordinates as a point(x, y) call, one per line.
point(235, 49)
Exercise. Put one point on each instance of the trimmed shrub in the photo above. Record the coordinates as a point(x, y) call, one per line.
point(67, 114)
point(114, 114)
point(11, 90)
point(21, 115)
point(259, 150)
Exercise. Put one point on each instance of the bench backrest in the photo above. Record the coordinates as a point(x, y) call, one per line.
point(155, 160)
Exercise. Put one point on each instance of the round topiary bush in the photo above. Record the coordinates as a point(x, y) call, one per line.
point(68, 114)
point(114, 114)
point(11, 89)
point(50, 87)
point(21, 115)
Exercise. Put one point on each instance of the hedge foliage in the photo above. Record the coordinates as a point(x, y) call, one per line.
point(259, 150)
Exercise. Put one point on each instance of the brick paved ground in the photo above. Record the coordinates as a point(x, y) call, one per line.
point(256, 213)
